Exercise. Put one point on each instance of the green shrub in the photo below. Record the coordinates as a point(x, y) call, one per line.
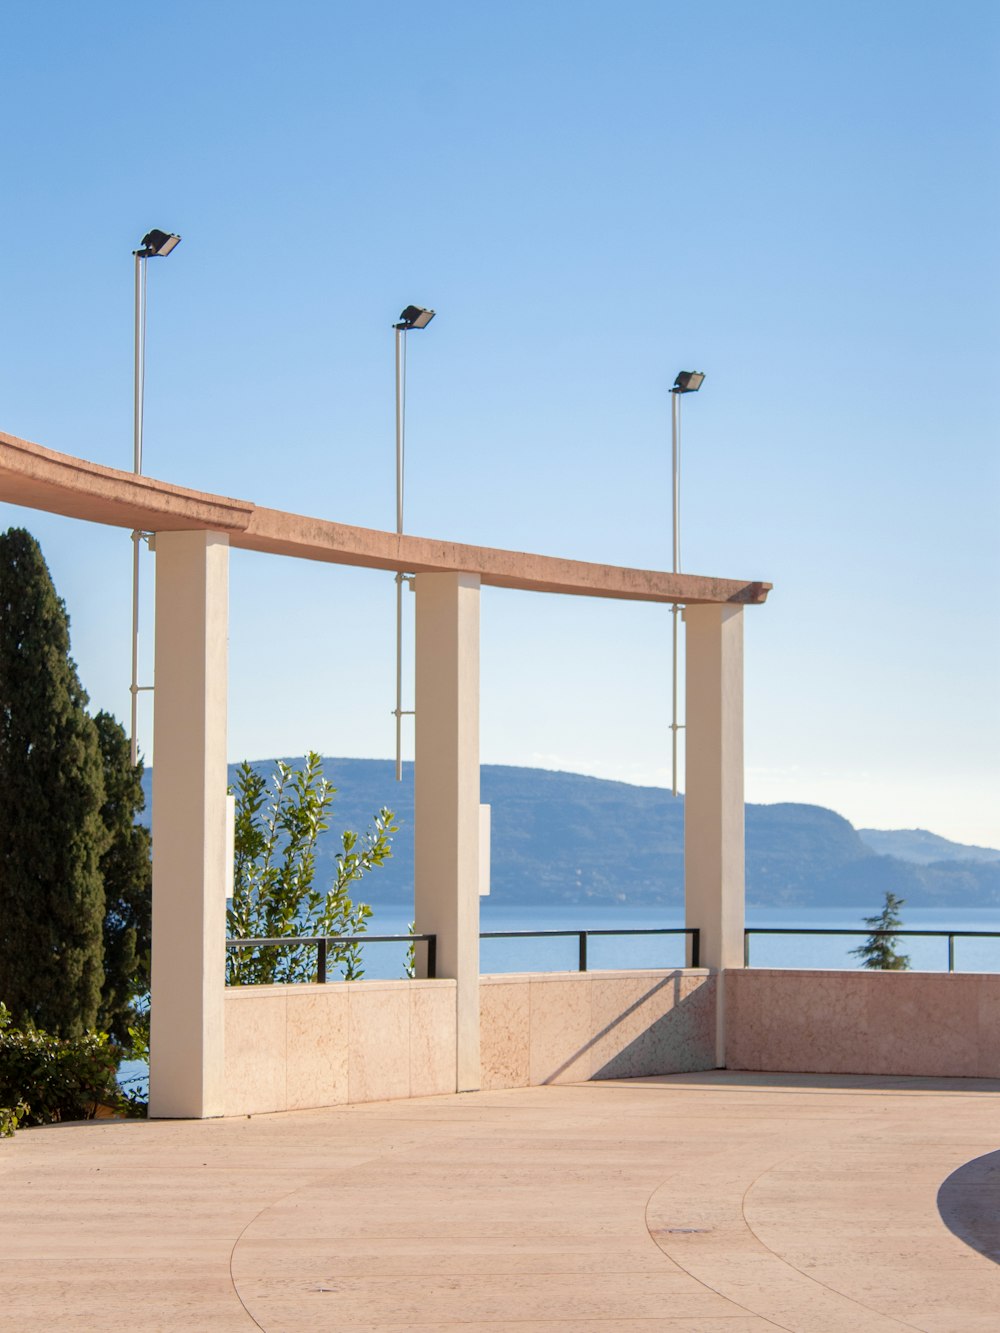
point(45, 1078)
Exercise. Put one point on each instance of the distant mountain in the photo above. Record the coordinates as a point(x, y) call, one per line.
point(921, 847)
point(565, 838)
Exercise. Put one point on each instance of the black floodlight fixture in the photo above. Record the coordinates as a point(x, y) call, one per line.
point(157, 242)
point(688, 381)
point(414, 317)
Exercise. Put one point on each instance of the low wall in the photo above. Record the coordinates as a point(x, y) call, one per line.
point(292, 1047)
point(565, 1027)
point(920, 1023)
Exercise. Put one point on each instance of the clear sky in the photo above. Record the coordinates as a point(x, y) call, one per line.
point(798, 199)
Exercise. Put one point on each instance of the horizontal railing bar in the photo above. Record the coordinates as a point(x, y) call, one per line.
point(331, 939)
point(549, 934)
point(864, 930)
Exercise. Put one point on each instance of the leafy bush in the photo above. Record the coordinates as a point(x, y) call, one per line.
point(275, 866)
point(45, 1078)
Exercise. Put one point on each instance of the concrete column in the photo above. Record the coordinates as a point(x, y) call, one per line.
point(190, 849)
point(446, 793)
point(714, 888)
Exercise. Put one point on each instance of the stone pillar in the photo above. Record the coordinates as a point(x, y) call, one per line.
point(190, 849)
point(446, 793)
point(714, 888)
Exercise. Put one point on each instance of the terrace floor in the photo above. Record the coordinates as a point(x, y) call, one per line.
point(715, 1203)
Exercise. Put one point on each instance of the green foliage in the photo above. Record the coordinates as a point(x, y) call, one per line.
point(410, 967)
point(11, 1117)
point(45, 1078)
point(879, 951)
point(277, 827)
point(52, 837)
point(127, 874)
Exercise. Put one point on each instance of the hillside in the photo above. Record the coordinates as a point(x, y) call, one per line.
point(565, 838)
point(916, 844)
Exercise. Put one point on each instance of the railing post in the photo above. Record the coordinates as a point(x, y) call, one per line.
point(951, 953)
point(696, 947)
point(746, 948)
point(432, 954)
point(321, 960)
point(583, 951)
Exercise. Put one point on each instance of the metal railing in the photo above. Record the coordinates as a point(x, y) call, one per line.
point(583, 935)
point(323, 941)
point(950, 935)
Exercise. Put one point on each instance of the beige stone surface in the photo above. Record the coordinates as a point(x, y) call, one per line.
point(928, 1024)
point(316, 1059)
point(711, 1203)
point(504, 1017)
point(432, 1038)
point(379, 1040)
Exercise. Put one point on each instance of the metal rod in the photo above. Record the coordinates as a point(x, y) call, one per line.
point(321, 960)
point(400, 394)
point(138, 387)
point(951, 953)
point(400, 409)
point(134, 689)
point(675, 415)
point(583, 951)
point(673, 725)
point(399, 677)
point(695, 934)
point(675, 418)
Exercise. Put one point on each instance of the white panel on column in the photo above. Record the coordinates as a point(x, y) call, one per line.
point(189, 824)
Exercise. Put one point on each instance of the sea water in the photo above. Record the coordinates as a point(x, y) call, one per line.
point(560, 954)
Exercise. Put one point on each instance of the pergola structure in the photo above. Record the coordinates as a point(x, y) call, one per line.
point(193, 532)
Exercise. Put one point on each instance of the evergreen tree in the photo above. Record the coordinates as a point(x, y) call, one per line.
point(127, 873)
point(879, 951)
point(51, 790)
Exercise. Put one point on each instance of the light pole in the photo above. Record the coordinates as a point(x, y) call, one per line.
point(413, 317)
point(688, 381)
point(154, 243)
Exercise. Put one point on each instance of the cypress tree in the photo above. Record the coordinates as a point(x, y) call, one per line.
point(51, 790)
point(127, 874)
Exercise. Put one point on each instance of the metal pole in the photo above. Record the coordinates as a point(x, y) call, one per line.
point(400, 389)
point(137, 405)
point(676, 470)
point(675, 416)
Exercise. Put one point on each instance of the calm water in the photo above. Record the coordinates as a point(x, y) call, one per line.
point(929, 955)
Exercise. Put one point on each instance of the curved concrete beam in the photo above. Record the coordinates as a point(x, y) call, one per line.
point(61, 484)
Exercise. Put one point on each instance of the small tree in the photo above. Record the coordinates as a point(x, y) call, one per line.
point(127, 872)
point(274, 872)
point(51, 790)
point(879, 950)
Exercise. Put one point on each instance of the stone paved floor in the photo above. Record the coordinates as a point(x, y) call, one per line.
point(710, 1203)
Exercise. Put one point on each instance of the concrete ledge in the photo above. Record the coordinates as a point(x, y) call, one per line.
point(931, 1024)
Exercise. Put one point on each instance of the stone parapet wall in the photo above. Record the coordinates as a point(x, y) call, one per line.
point(565, 1027)
point(292, 1047)
point(932, 1024)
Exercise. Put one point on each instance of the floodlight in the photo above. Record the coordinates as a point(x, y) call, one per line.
point(688, 381)
point(414, 317)
point(157, 242)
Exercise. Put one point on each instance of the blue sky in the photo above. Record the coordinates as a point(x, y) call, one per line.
point(800, 200)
